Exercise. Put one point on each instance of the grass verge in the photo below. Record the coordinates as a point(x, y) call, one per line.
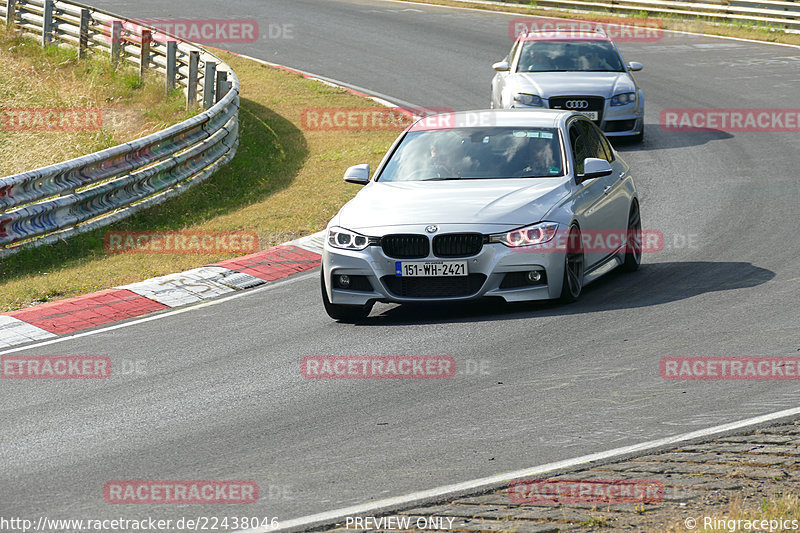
point(32, 78)
point(741, 30)
point(283, 183)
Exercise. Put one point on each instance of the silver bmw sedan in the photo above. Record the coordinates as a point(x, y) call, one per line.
point(515, 204)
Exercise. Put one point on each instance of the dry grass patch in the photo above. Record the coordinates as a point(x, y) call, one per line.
point(54, 78)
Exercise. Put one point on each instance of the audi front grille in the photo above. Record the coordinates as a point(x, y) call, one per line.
point(576, 103)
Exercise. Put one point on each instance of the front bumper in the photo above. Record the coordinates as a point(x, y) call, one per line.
point(615, 121)
point(487, 276)
point(622, 121)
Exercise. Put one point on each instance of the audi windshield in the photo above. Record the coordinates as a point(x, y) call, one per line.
point(476, 153)
point(569, 56)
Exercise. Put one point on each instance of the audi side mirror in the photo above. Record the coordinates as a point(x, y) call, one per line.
point(635, 66)
point(358, 174)
point(594, 168)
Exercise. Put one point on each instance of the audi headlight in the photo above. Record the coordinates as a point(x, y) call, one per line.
point(528, 99)
point(527, 236)
point(347, 240)
point(623, 99)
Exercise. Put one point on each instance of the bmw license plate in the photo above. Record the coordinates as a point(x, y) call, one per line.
point(591, 114)
point(406, 269)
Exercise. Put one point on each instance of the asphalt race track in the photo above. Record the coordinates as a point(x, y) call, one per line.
point(222, 397)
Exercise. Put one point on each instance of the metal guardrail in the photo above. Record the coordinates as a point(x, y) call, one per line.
point(782, 14)
point(52, 203)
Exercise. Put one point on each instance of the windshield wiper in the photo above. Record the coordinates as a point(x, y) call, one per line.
point(443, 179)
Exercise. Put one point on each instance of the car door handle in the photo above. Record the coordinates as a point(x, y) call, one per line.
point(622, 174)
point(608, 188)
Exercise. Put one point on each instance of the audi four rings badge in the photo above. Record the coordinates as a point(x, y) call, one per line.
point(576, 104)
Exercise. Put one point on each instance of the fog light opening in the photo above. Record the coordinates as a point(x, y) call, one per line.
point(534, 276)
point(343, 281)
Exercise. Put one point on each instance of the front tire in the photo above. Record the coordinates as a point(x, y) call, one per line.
point(342, 313)
point(574, 262)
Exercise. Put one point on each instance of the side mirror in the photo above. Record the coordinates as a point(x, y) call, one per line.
point(594, 168)
point(358, 174)
point(635, 66)
point(501, 66)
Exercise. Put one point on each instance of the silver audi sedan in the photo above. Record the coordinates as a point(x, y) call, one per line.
point(578, 71)
point(514, 204)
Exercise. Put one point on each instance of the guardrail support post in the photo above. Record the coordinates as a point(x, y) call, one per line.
point(144, 59)
point(172, 60)
point(11, 13)
point(83, 41)
point(191, 82)
point(47, 24)
point(116, 42)
point(222, 85)
point(208, 84)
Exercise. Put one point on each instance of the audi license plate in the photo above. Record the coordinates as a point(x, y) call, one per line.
point(591, 114)
point(417, 269)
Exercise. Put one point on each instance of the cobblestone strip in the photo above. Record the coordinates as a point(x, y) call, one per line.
point(698, 480)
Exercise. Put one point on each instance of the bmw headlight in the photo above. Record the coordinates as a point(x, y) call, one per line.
point(623, 99)
point(528, 99)
point(347, 240)
point(537, 234)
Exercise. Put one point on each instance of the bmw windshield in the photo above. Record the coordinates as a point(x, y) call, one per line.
point(569, 56)
point(476, 153)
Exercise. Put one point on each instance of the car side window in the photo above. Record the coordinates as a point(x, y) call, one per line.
point(594, 144)
point(578, 145)
point(607, 147)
